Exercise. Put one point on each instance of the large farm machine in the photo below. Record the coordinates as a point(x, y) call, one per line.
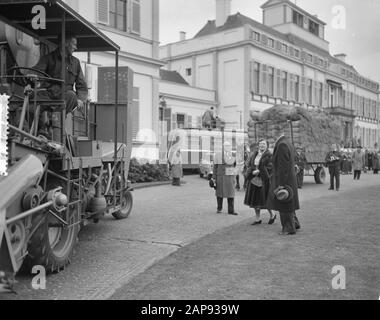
point(56, 186)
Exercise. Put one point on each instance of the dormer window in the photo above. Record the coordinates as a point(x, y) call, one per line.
point(284, 48)
point(314, 28)
point(298, 19)
point(256, 36)
point(271, 42)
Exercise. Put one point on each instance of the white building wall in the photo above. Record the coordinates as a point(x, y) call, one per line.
point(274, 15)
point(231, 85)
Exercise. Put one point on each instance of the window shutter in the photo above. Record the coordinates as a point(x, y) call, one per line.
point(303, 89)
point(174, 121)
point(264, 79)
point(325, 95)
point(189, 121)
point(136, 16)
point(103, 11)
point(278, 82)
point(252, 75)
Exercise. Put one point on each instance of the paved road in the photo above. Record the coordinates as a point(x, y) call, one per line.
point(164, 219)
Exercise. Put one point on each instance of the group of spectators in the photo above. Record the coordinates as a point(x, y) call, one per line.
point(270, 182)
point(350, 161)
point(371, 161)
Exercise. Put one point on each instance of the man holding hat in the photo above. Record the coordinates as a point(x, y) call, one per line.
point(283, 192)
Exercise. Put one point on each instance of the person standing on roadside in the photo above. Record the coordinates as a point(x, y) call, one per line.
point(301, 161)
point(258, 172)
point(224, 175)
point(376, 161)
point(333, 161)
point(358, 162)
point(283, 190)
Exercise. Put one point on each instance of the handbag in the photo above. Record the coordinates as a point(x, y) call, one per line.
point(257, 181)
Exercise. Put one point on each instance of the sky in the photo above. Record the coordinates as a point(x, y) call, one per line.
point(352, 26)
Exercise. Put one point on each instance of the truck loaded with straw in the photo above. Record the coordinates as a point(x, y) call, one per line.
point(313, 130)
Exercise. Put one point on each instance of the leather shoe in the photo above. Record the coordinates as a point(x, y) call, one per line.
point(287, 233)
point(233, 214)
point(219, 211)
point(256, 223)
point(331, 188)
point(271, 221)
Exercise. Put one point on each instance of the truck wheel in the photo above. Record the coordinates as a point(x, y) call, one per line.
point(320, 175)
point(52, 244)
point(126, 206)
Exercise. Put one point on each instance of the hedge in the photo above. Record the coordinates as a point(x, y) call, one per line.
point(147, 172)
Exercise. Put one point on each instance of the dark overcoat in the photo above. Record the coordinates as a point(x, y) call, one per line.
point(225, 184)
point(265, 168)
point(283, 173)
point(376, 160)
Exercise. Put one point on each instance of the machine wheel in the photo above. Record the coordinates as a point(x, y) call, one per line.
point(51, 246)
point(320, 175)
point(126, 206)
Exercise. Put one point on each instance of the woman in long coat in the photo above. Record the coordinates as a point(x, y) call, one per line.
point(259, 166)
point(224, 174)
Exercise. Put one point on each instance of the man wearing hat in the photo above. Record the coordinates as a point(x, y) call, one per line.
point(283, 192)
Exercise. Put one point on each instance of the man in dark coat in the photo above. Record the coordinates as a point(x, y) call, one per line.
point(284, 175)
point(301, 161)
point(333, 160)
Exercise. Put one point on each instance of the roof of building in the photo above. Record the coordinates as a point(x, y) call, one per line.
point(270, 3)
point(239, 20)
point(172, 76)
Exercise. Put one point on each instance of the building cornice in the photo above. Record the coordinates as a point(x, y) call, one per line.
point(270, 50)
point(143, 59)
point(175, 97)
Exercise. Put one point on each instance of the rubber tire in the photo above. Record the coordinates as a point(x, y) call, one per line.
point(119, 215)
point(320, 175)
point(39, 250)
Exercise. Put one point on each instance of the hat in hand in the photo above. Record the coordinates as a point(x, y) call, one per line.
point(212, 184)
point(284, 193)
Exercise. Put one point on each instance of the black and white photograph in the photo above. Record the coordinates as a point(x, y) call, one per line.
point(204, 152)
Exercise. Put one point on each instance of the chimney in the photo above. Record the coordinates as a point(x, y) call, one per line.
point(223, 10)
point(341, 57)
point(182, 36)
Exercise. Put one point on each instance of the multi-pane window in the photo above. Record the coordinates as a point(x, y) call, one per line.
point(256, 36)
point(180, 120)
point(309, 57)
point(314, 28)
point(118, 14)
point(271, 81)
point(271, 42)
point(284, 48)
point(284, 78)
point(320, 94)
point(298, 18)
point(256, 76)
point(297, 53)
